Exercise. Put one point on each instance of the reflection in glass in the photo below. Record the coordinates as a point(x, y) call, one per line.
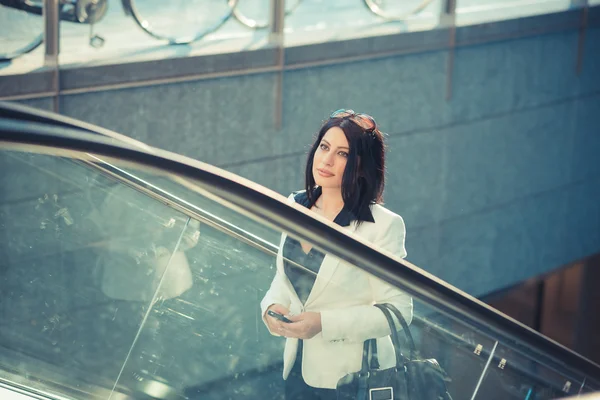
point(515, 376)
point(20, 31)
point(397, 10)
point(481, 11)
point(207, 342)
point(82, 256)
point(257, 13)
point(461, 351)
point(109, 288)
point(180, 21)
point(134, 264)
point(186, 193)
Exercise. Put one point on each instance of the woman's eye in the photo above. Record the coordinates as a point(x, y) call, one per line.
point(323, 147)
point(343, 154)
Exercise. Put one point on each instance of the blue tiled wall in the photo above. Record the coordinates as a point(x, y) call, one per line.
point(497, 184)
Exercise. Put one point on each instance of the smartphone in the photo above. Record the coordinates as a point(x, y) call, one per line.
point(278, 316)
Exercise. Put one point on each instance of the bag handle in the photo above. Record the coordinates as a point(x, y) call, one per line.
point(370, 346)
point(393, 333)
point(405, 329)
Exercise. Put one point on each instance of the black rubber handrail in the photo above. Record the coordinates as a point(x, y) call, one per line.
point(20, 112)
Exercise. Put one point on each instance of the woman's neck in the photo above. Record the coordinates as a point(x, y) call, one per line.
point(330, 203)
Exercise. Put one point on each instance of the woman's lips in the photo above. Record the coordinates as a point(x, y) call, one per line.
point(324, 173)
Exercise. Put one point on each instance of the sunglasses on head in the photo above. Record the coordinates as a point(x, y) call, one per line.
point(365, 121)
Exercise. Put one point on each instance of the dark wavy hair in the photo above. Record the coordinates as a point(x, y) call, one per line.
point(364, 177)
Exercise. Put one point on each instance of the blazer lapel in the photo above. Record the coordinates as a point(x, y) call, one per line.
point(328, 267)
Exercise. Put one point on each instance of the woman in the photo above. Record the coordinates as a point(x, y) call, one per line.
point(328, 301)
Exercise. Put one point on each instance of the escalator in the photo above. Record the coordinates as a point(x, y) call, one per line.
point(127, 272)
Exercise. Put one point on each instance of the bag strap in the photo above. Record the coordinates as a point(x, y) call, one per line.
point(393, 333)
point(370, 346)
point(365, 358)
point(405, 329)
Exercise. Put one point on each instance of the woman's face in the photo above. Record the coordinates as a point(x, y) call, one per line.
point(329, 161)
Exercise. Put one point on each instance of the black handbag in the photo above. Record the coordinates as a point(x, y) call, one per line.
point(410, 379)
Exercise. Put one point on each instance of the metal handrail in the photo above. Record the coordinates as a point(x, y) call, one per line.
point(186, 208)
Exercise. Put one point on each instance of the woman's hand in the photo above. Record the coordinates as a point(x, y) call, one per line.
point(275, 325)
point(303, 326)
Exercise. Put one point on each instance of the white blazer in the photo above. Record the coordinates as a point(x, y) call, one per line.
point(344, 295)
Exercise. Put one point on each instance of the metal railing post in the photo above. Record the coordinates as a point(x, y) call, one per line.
point(448, 20)
point(276, 39)
point(584, 5)
point(51, 15)
point(447, 13)
point(277, 22)
point(51, 32)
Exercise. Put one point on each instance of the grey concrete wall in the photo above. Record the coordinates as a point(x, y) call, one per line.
point(497, 184)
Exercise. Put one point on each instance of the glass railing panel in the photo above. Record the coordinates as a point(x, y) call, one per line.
point(21, 34)
point(211, 341)
point(590, 386)
point(256, 14)
point(461, 350)
point(142, 30)
point(188, 194)
point(512, 375)
point(317, 21)
point(114, 282)
point(478, 11)
point(82, 256)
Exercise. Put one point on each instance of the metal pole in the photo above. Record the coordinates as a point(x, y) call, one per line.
point(51, 44)
point(582, 31)
point(276, 39)
point(447, 13)
point(448, 19)
point(277, 21)
point(484, 372)
point(51, 34)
